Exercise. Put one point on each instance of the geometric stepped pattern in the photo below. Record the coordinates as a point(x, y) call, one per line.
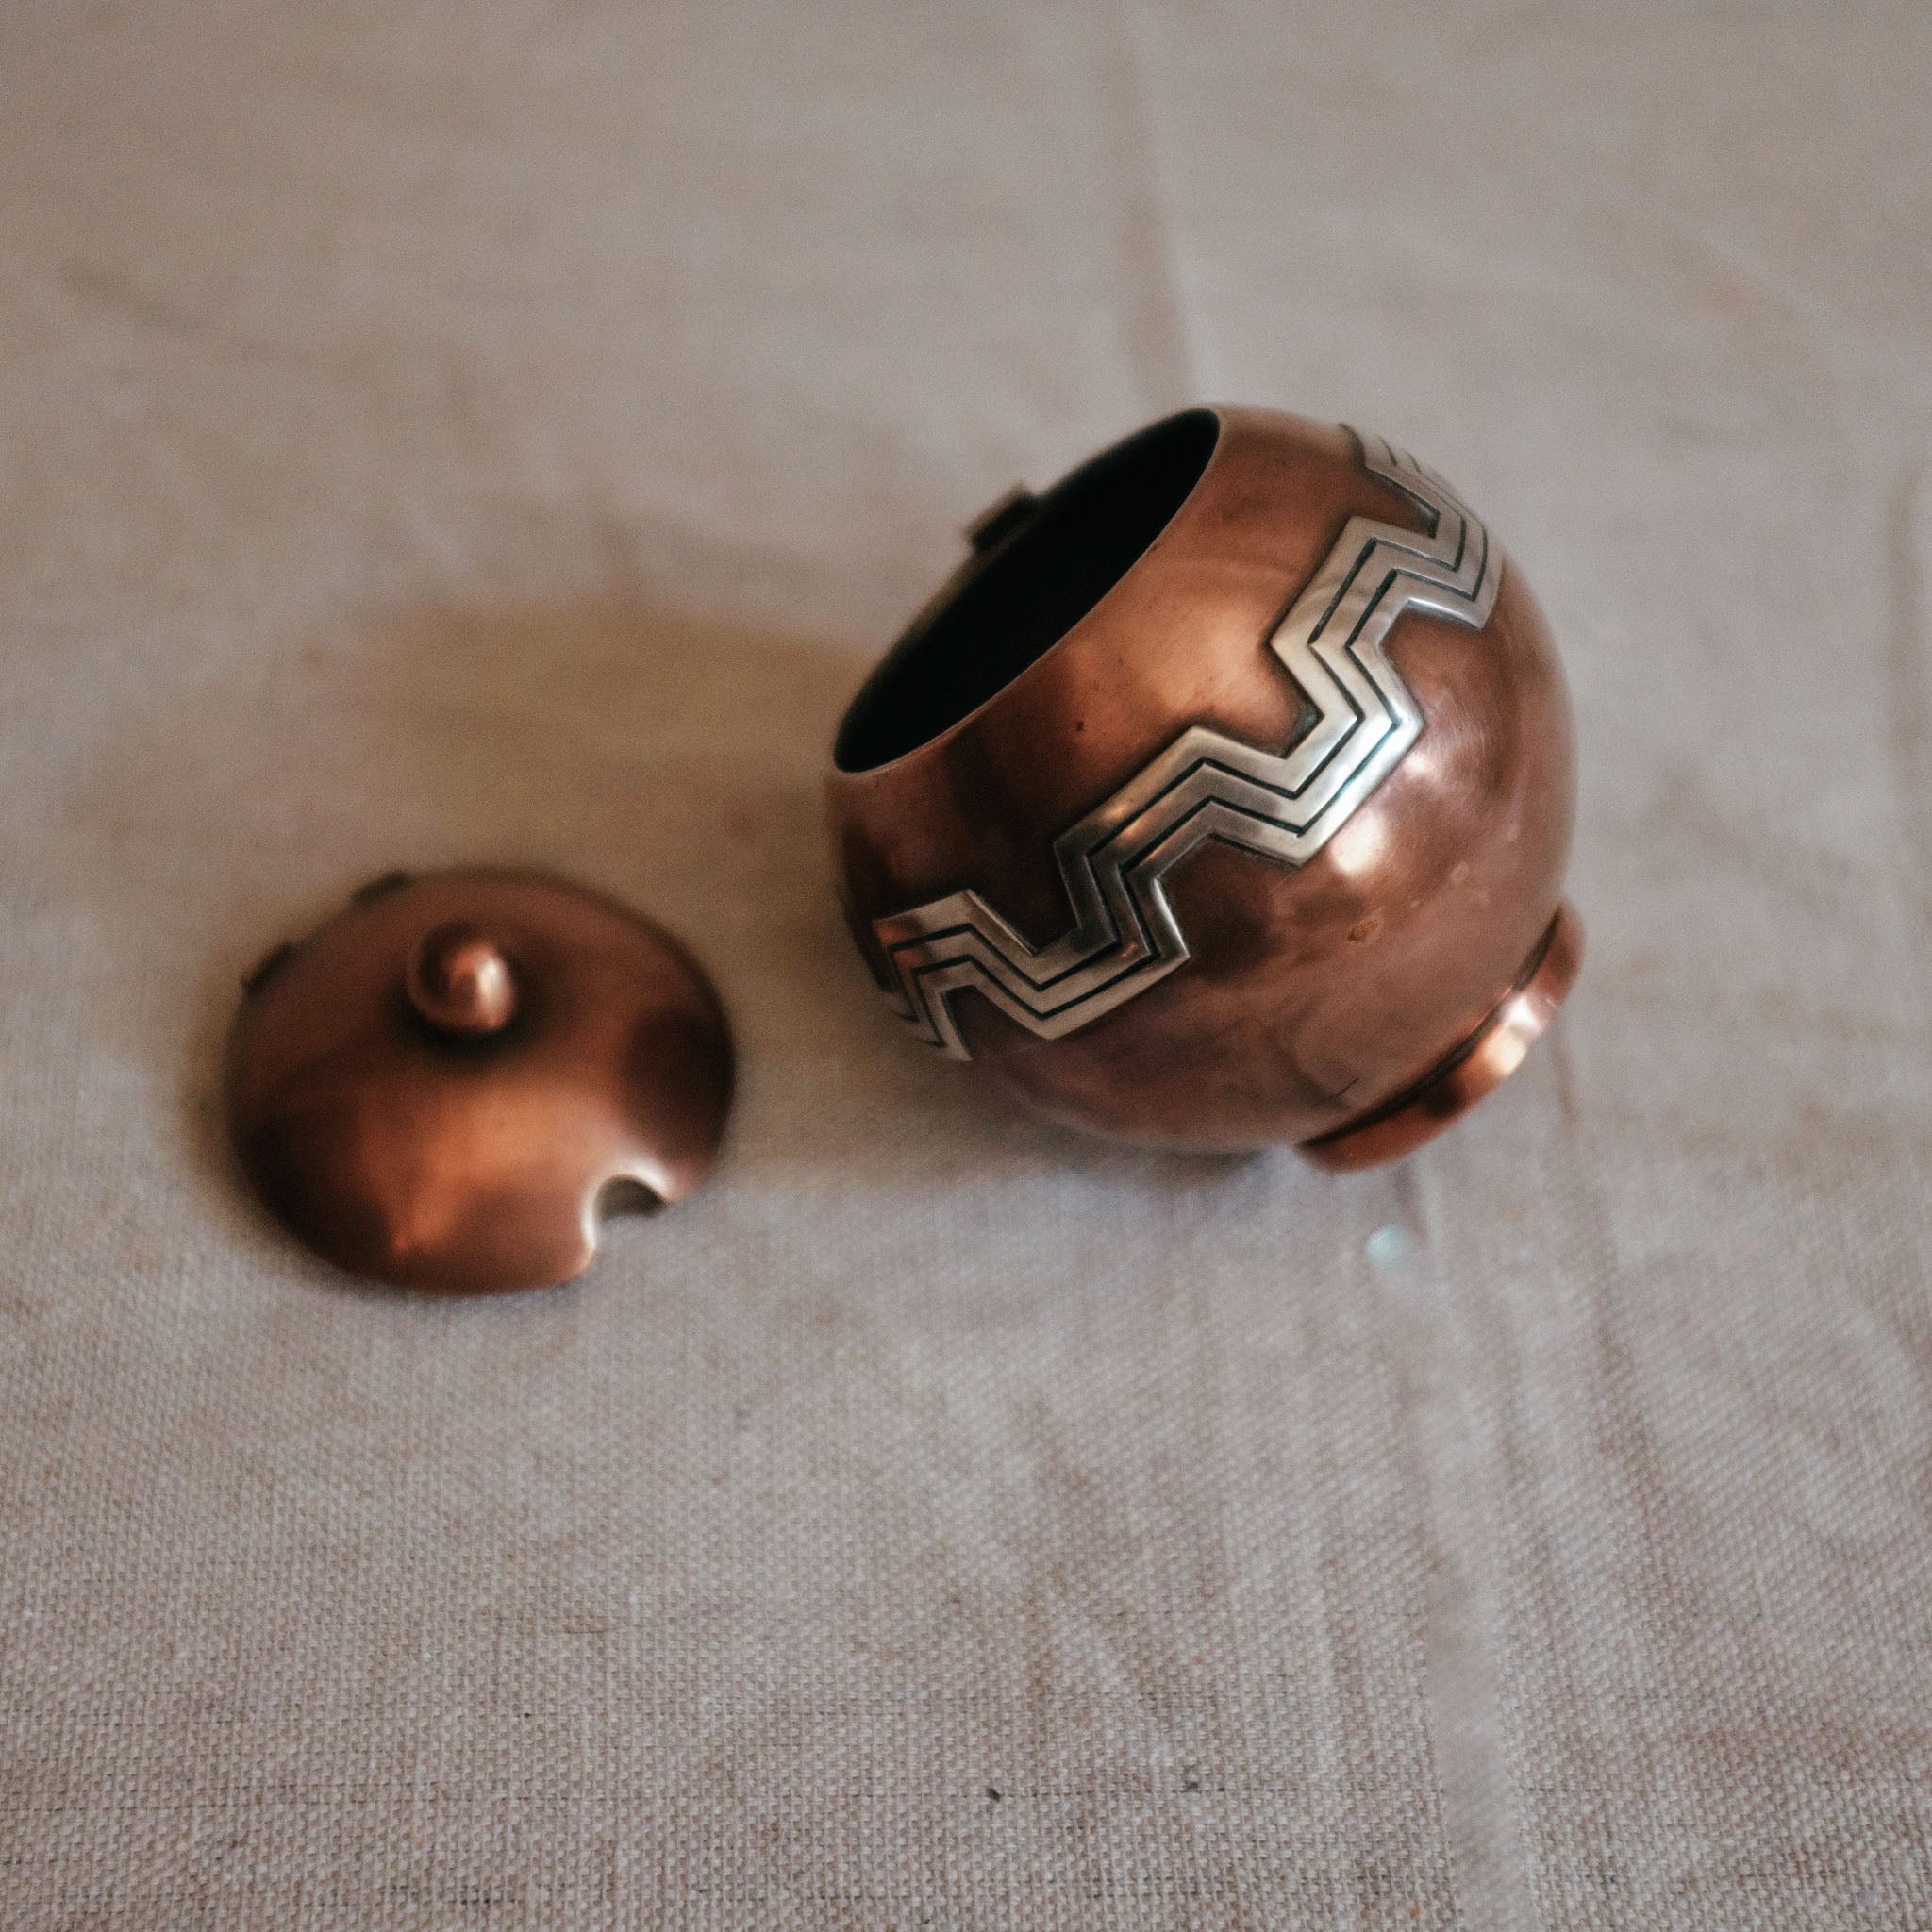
point(1283, 807)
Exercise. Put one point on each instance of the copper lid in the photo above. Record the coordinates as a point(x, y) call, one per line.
point(445, 1085)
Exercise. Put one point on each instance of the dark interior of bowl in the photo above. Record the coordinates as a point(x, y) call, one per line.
point(1086, 533)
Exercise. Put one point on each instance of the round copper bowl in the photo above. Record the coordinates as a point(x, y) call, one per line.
point(1222, 797)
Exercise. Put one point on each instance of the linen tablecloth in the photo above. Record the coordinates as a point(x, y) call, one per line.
point(507, 431)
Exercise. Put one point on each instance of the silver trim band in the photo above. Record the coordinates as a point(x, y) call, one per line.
point(1114, 862)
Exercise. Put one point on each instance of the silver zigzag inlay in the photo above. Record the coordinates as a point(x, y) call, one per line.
point(1114, 862)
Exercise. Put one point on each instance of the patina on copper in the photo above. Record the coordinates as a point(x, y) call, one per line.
point(1056, 830)
point(445, 1084)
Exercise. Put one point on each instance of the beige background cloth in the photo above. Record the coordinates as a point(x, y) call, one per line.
point(506, 431)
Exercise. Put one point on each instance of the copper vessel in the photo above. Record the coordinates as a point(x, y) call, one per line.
point(1222, 797)
point(445, 1084)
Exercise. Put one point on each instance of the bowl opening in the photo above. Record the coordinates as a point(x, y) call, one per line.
point(1083, 537)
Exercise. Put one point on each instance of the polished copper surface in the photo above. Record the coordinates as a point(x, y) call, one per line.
point(442, 1086)
point(1477, 1067)
point(460, 981)
point(1375, 991)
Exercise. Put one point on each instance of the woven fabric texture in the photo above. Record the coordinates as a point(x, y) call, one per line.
point(506, 431)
